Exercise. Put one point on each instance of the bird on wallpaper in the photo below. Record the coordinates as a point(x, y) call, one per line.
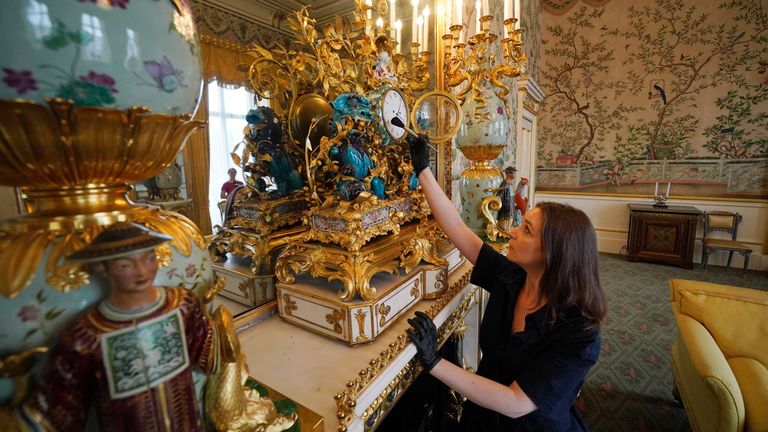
point(661, 91)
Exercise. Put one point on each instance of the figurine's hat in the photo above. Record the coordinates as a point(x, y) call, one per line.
point(119, 240)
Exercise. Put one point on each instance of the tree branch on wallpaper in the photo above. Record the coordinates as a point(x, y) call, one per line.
point(736, 132)
point(698, 51)
point(574, 91)
point(704, 123)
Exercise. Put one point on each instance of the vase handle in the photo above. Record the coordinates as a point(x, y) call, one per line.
point(489, 204)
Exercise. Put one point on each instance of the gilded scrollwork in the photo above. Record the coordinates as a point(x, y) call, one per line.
point(383, 310)
point(354, 269)
point(334, 318)
point(289, 305)
point(415, 290)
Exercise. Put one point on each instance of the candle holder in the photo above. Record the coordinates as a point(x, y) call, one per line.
point(482, 137)
point(472, 63)
point(660, 200)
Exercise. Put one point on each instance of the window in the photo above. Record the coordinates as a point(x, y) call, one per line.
point(227, 109)
point(131, 49)
point(37, 16)
point(97, 48)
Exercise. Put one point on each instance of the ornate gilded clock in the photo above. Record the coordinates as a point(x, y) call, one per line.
point(393, 105)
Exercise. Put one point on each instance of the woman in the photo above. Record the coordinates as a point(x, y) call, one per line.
point(540, 331)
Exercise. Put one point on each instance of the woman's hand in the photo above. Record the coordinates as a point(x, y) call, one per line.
point(419, 149)
point(423, 334)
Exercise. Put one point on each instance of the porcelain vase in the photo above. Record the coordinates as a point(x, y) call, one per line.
point(481, 138)
point(106, 53)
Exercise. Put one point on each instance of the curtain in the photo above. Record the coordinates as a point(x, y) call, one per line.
point(196, 155)
point(225, 61)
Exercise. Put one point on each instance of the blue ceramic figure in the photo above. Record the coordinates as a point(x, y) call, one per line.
point(413, 181)
point(349, 189)
point(352, 153)
point(266, 131)
point(351, 105)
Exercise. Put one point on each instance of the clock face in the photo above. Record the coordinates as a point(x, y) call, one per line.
point(393, 105)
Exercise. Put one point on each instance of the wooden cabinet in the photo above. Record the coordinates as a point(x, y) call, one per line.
point(662, 235)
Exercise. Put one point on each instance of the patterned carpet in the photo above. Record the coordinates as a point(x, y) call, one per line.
point(630, 388)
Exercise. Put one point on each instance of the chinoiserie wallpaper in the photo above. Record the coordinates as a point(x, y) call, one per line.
point(640, 91)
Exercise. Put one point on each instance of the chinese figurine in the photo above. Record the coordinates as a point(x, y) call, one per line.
point(506, 192)
point(383, 67)
point(130, 357)
point(521, 200)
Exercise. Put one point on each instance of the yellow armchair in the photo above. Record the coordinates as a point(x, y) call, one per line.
point(720, 357)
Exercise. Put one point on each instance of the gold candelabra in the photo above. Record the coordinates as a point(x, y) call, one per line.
point(473, 62)
point(410, 71)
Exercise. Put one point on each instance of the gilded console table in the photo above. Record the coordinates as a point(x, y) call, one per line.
point(351, 387)
point(663, 235)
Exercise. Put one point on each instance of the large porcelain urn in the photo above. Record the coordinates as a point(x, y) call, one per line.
point(94, 95)
point(481, 138)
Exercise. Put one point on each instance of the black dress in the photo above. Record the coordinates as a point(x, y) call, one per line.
point(549, 360)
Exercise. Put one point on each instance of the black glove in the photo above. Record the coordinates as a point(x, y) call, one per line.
point(419, 148)
point(423, 334)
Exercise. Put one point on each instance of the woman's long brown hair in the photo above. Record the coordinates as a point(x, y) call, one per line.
point(569, 246)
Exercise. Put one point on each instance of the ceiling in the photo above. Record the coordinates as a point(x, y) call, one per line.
point(264, 10)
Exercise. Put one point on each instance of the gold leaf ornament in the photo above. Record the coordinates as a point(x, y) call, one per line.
point(19, 257)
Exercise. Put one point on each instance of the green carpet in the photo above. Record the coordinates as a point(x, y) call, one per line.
point(630, 387)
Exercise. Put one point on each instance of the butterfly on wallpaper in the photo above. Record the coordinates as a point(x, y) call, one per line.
point(165, 77)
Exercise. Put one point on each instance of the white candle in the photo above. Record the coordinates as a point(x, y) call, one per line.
point(414, 29)
point(517, 13)
point(425, 30)
point(392, 19)
point(419, 27)
point(656, 191)
point(380, 25)
point(486, 9)
point(667, 189)
point(398, 28)
point(477, 16)
point(460, 12)
point(506, 9)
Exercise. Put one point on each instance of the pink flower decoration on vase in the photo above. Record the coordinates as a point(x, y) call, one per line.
point(22, 81)
point(103, 80)
point(122, 4)
point(191, 270)
point(28, 313)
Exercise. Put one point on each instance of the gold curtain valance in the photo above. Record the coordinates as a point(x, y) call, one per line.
point(225, 61)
